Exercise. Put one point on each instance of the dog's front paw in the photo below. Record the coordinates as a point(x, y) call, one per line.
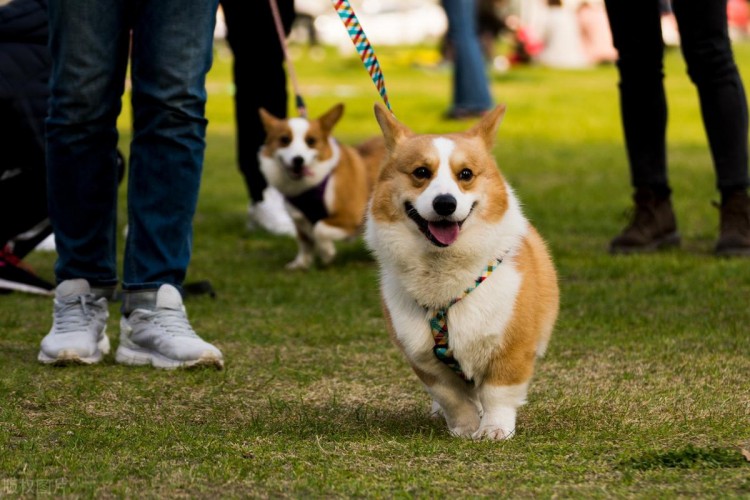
point(435, 410)
point(493, 432)
point(463, 431)
point(299, 264)
point(326, 253)
point(465, 426)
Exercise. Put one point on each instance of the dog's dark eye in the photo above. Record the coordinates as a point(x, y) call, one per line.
point(422, 173)
point(465, 175)
point(310, 141)
point(285, 140)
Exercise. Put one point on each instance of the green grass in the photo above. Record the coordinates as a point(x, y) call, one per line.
point(644, 392)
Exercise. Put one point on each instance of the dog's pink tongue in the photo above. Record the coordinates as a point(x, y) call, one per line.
point(445, 233)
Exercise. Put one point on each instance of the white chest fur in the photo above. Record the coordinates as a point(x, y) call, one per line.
point(414, 286)
point(476, 324)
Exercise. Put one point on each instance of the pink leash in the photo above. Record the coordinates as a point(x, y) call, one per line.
point(300, 103)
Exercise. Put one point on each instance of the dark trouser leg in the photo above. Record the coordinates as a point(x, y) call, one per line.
point(259, 78)
point(636, 31)
point(708, 53)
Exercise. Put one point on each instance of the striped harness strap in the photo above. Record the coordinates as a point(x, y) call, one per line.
point(439, 324)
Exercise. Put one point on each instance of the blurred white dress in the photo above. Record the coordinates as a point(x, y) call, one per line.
point(563, 47)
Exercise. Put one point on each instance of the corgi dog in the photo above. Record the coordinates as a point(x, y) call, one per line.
point(326, 184)
point(468, 288)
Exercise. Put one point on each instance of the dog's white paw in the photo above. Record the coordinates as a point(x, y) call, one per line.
point(327, 258)
point(493, 432)
point(435, 410)
point(463, 431)
point(465, 426)
point(326, 252)
point(299, 264)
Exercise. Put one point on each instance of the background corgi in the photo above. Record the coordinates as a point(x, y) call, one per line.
point(325, 184)
point(469, 291)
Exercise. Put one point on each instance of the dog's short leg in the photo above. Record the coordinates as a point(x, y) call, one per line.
point(305, 246)
point(499, 404)
point(325, 235)
point(302, 262)
point(459, 410)
point(435, 410)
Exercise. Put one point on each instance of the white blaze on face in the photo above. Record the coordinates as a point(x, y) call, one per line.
point(298, 146)
point(443, 182)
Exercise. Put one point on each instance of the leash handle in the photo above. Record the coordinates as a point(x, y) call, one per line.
point(362, 44)
point(299, 102)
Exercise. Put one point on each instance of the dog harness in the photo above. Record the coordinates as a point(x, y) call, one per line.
point(439, 325)
point(311, 202)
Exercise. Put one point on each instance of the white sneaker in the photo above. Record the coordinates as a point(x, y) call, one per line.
point(47, 244)
point(78, 328)
point(163, 337)
point(270, 214)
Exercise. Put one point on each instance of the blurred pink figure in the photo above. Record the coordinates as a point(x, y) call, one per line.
point(738, 17)
point(595, 33)
point(563, 44)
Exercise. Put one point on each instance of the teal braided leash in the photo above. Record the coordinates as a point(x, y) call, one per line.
point(362, 44)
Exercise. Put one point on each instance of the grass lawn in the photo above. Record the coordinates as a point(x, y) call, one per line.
point(644, 392)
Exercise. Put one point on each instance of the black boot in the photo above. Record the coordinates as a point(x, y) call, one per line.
point(652, 226)
point(734, 233)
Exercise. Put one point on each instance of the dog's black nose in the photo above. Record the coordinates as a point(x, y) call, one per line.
point(444, 204)
point(298, 162)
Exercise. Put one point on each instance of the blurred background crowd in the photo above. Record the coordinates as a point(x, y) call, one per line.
point(566, 34)
point(555, 33)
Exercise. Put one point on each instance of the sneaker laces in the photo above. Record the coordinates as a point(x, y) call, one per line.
point(174, 322)
point(75, 315)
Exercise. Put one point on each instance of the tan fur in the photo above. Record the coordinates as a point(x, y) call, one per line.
point(355, 175)
point(499, 329)
point(534, 315)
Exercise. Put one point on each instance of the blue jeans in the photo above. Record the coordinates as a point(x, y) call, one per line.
point(705, 45)
point(171, 54)
point(470, 86)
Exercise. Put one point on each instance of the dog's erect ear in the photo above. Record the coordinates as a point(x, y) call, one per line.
point(486, 129)
point(269, 121)
point(331, 117)
point(393, 130)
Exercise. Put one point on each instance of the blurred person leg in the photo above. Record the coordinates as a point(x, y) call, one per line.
point(23, 178)
point(171, 55)
point(471, 93)
point(24, 89)
point(260, 81)
point(707, 49)
point(23, 193)
point(89, 42)
point(89, 47)
point(636, 33)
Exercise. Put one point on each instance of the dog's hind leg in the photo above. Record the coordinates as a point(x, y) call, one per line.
point(325, 235)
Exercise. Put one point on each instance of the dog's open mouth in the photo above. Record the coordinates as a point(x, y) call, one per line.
point(293, 174)
point(296, 168)
point(298, 172)
point(442, 232)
